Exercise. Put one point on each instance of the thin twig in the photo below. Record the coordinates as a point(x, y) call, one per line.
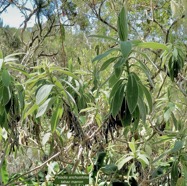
point(34, 169)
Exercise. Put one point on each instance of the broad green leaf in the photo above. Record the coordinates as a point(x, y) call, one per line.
point(132, 93)
point(104, 37)
point(103, 55)
point(4, 173)
point(42, 108)
point(148, 97)
point(136, 118)
point(126, 48)
point(115, 88)
point(30, 111)
point(123, 161)
point(122, 25)
point(57, 114)
point(132, 146)
point(107, 63)
point(118, 71)
point(109, 169)
point(6, 79)
point(112, 80)
point(117, 101)
point(6, 95)
point(142, 109)
point(153, 45)
point(46, 138)
point(143, 158)
point(174, 173)
point(146, 71)
point(178, 146)
point(43, 93)
point(119, 63)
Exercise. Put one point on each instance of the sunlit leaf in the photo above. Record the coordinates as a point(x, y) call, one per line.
point(132, 93)
point(43, 93)
point(122, 25)
point(153, 45)
point(123, 161)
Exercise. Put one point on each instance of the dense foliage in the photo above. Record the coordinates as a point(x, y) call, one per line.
point(94, 87)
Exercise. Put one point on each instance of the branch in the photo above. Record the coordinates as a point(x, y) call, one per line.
point(98, 15)
point(34, 169)
point(168, 31)
point(5, 8)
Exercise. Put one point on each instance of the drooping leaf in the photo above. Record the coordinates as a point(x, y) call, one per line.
point(117, 100)
point(132, 93)
point(126, 48)
point(46, 138)
point(119, 63)
point(174, 173)
point(115, 88)
point(177, 146)
point(142, 109)
point(109, 169)
point(122, 25)
point(30, 110)
point(6, 79)
point(44, 107)
point(43, 93)
point(123, 161)
point(103, 55)
point(148, 97)
point(6, 95)
point(118, 71)
point(57, 114)
point(107, 63)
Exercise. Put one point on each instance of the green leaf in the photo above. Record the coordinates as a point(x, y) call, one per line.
point(62, 29)
point(103, 55)
point(119, 63)
point(42, 109)
point(126, 48)
point(6, 95)
point(174, 173)
point(132, 146)
point(57, 114)
point(146, 71)
point(107, 63)
point(4, 173)
point(153, 45)
point(132, 93)
point(118, 71)
point(115, 88)
point(122, 25)
point(30, 111)
point(43, 93)
point(100, 159)
point(148, 97)
point(6, 79)
point(143, 158)
point(109, 169)
point(178, 146)
point(142, 109)
point(117, 100)
point(123, 161)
